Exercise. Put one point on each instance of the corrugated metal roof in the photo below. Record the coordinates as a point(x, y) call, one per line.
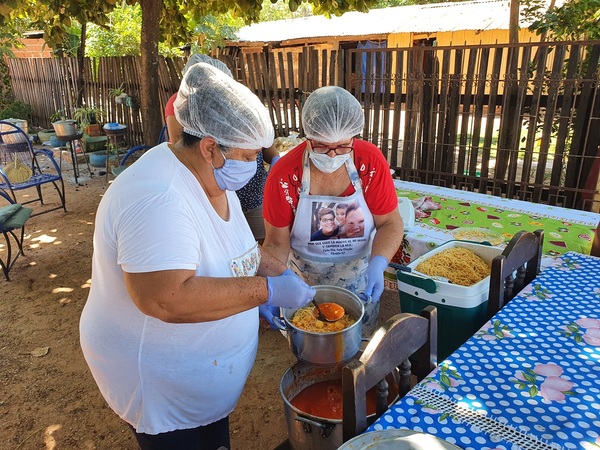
point(431, 18)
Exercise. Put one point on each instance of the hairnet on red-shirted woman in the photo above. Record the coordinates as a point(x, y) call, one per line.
point(199, 57)
point(331, 114)
point(211, 103)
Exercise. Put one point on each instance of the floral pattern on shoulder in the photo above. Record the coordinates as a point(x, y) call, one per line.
point(552, 387)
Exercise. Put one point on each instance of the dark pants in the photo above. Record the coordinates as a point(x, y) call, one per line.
point(208, 437)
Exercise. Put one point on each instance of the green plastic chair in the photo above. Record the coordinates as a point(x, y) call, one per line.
point(12, 219)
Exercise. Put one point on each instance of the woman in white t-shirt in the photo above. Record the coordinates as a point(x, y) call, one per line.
point(170, 327)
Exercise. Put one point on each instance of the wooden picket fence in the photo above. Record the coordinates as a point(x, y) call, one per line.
point(519, 121)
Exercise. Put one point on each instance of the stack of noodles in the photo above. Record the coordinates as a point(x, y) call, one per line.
point(460, 265)
point(304, 318)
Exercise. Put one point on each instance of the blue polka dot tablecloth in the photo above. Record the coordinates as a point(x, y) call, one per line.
point(528, 379)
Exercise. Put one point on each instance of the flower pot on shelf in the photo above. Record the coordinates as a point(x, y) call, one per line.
point(93, 129)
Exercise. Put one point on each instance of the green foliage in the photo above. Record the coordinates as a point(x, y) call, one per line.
point(574, 20)
point(16, 110)
point(120, 37)
point(115, 92)
point(58, 115)
point(87, 115)
point(213, 31)
point(71, 41)
point(280, 10)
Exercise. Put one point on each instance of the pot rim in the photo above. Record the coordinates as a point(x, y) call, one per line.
point(288, 402)
point(323, 287)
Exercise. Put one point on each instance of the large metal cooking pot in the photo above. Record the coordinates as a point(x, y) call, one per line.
point(65, 127)
point(16, 137)
point(306, 431)
point(327, 348)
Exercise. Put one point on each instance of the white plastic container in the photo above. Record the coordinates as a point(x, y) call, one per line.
point(407, 212)
point(462, 310)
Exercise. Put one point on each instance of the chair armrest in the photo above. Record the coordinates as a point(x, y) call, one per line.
point(4, 179)
point(49, 154)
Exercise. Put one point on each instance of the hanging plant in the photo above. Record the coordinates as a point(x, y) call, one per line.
point(119, 94)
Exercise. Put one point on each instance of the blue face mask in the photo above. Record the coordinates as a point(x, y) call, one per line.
point(234, 174)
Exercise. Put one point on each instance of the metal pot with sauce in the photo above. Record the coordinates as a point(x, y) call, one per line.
point(332, 347)
point(312, 396)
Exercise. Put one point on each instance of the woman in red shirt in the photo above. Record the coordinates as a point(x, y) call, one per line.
point(334, 167)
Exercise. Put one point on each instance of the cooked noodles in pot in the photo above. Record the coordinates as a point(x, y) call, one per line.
point(304, 318)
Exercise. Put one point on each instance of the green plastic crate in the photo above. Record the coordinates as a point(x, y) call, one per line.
point(462, 310)
point(94, 143)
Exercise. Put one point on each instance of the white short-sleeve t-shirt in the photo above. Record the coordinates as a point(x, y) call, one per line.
point(159, 376)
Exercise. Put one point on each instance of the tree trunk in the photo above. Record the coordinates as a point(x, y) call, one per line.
point(513, 27)
point(80, 62)
point(149, 104)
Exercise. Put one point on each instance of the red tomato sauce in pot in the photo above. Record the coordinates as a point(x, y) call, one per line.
point(324, 399)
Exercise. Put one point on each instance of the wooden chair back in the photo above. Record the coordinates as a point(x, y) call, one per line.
point(515, 268)
point(392, 344)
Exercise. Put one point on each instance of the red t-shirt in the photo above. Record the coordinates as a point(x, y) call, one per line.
point(285, 179)
point(169, 108)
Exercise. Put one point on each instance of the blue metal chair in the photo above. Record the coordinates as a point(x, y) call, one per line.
point(16, 148)
point(12, 218)
point(134, 153)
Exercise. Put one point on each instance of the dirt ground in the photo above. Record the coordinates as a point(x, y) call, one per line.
point(48, 399)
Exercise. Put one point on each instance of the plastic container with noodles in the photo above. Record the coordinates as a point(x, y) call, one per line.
point(475, 234)
point(462, 310)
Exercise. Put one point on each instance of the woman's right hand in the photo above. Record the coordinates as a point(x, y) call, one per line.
point(289, 291)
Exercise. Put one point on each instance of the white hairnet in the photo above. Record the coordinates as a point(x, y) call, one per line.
point(331, 114)
point(199, 57)
point(210, 103)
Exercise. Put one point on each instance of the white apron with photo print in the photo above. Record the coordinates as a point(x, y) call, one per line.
point(337, 261)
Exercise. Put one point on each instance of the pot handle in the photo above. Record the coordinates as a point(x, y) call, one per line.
point(278, 322)
point(326, 428)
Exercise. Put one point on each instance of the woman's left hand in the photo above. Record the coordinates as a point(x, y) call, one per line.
point(267, 312)
point(374, 279)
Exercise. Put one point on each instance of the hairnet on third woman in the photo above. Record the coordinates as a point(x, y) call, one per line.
point(331, 114)
point(211, 103)
point(199, 57)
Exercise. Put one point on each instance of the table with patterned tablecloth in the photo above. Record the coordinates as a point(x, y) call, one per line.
point(528, 379)
point(564, 229)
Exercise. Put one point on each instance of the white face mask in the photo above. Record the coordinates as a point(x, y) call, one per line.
point(326, 163)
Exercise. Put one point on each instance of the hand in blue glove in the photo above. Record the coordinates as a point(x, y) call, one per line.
point(268, 312)
point(289, 291)
point(374, 279)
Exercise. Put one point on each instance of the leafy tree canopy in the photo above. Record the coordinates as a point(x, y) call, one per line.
point(120, 36)
point(574, 20)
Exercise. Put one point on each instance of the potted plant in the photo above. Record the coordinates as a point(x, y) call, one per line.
point(88, 117)
point(119, 94)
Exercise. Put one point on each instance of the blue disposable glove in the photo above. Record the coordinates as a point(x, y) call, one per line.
point(374, 279)
point(273, 161)
point(268, 312)
point(289, 291)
